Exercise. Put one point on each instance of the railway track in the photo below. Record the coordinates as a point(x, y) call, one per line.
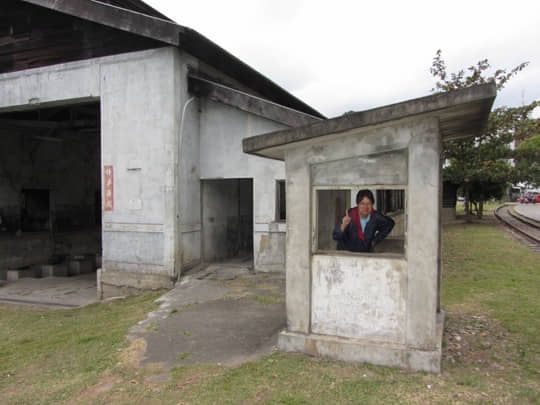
point(526, 230)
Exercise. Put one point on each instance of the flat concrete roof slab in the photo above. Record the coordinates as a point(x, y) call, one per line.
point(461, 113)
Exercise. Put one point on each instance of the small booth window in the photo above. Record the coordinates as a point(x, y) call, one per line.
point(382, 224)
point(280, 201)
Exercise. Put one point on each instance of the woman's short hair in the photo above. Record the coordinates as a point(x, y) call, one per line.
point(365, 193)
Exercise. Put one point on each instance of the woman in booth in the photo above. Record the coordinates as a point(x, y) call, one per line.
point(362, 228)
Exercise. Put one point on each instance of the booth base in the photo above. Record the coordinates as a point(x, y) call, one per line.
point(358, 350)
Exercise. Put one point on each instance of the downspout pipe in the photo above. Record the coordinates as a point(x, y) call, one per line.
point(177, 267)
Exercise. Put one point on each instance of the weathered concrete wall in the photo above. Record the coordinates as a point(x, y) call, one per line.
point(423, 238)
point(359, 298)
point(188, 176)
point(139, 131)
point(222, 130)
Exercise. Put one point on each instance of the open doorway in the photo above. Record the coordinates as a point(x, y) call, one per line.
point(50, 191)
point(227, 221)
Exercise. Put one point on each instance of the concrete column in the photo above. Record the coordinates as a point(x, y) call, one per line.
point(298, 250)
point(423, 234)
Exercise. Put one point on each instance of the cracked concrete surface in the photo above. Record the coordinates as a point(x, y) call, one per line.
point(222, 315)
point(59, 292)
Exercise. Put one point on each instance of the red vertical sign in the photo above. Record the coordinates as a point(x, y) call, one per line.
point(108, 188)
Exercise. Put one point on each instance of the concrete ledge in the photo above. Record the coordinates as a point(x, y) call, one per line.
point(114, 282)
point(357, 350)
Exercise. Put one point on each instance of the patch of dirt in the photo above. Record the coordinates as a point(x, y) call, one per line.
point(476, 340)
point(106, 383)
point(258, 398)
point(239, 284)
point(197, 376)
point(134, 353)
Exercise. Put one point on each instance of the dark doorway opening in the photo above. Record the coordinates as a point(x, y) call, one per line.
point(227, 220)
point(50, 187)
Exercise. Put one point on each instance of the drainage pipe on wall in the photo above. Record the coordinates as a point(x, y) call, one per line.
point(178, 162)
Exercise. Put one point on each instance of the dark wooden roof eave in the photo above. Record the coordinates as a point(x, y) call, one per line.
point(116, 17)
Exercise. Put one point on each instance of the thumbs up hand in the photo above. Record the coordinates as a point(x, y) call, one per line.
point(346, 221)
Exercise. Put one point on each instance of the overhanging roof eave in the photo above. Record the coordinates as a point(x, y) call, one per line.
point(462, 113)
point(116, 17)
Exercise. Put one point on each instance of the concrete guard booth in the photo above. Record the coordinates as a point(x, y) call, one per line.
point(383, 307)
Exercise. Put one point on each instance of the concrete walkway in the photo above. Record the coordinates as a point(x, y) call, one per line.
point(225, 314)
point(531, 211)
point(65, 292)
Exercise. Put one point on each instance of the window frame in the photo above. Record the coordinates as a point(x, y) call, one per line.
point(373, 187)
point(277, 216)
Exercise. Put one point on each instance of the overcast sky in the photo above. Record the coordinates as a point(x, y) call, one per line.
point(339, 55)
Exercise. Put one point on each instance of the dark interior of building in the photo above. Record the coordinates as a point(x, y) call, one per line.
point(50, 191)
point(227, 219)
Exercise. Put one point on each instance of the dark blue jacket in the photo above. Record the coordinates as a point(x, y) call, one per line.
point(378, 228)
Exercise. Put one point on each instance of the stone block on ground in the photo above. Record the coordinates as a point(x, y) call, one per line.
point(80, 266)
point(12, 275)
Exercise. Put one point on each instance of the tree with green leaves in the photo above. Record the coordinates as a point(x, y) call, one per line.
point(482, 166)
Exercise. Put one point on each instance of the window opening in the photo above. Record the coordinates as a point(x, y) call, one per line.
point(281, 212)
point(389, 207)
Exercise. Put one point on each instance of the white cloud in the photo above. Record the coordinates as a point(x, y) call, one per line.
point(351, 55)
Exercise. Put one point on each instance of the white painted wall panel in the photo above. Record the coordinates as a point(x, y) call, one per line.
point(359, 297)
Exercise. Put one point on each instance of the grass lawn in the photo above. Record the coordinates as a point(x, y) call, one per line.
point(489, 206)
point(491, 348)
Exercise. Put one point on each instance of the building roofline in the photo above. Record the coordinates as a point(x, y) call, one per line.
point(248, 102)
point(185, 38)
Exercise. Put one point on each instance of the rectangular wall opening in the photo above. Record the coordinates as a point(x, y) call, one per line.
point(227, 220)
point(330, 208)
point(50, 190)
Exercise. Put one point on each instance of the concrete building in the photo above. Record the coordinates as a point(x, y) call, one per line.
point(382, 307)
point(120, 146)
